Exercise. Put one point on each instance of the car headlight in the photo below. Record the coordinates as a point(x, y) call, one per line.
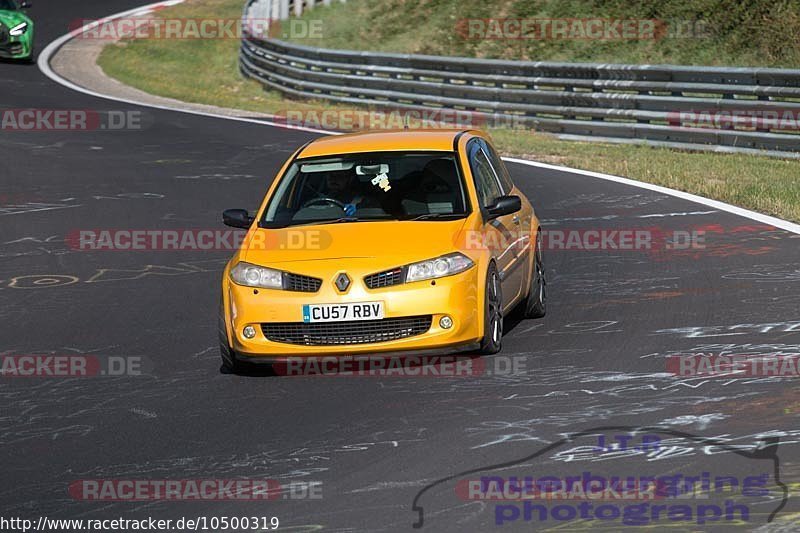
point(256, 276)
point(19, 29)
point(446, 265)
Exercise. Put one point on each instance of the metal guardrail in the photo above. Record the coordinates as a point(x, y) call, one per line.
point(653, 104)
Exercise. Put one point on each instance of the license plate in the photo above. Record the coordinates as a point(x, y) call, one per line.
point(343, 312)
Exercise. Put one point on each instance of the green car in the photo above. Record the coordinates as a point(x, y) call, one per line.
point(16, 30)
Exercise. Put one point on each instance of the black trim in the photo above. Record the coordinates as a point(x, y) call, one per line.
point(347, 333)
point(300, 282)
point(447, 350)
point(386, 278)
point(468, 207)
point(482, 208)
point(456, 139)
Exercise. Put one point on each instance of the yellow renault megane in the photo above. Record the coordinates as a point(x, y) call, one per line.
point(392, 242)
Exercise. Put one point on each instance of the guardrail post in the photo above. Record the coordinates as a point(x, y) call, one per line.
point(274, 10)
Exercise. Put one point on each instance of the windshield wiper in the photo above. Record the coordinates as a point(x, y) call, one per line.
point(428, 216)
point(337, 221)
point(269, 225)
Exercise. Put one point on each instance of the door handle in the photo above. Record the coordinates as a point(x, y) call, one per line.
point(516, 220)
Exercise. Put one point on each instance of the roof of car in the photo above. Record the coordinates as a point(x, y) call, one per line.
point(383, 140)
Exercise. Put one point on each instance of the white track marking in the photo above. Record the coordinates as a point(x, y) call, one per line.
point(722, 206)
point(53, 47)
point(46, 55)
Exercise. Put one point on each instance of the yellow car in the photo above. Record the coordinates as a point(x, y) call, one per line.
point(392, 242)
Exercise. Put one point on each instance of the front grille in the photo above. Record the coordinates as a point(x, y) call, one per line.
point(10, 49)
point(3, 34)
point(384, 279)
point(351, 332)
point(300, 283)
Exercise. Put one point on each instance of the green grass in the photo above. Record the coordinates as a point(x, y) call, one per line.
point(744, 33)
point(193, 70)
point(205, 71)
point(766, 185)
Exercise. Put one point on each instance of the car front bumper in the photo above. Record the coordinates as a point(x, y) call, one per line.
point(455, 296)
point(19, 47)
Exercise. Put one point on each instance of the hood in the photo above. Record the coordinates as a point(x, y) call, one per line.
point(389, 244)
point(10, 19)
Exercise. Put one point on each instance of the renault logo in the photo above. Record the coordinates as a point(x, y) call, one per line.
point(342, 282)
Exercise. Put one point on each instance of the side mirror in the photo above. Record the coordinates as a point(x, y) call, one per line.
point(505, 205)
point(237, 218)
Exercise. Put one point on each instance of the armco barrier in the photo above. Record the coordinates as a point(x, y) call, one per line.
point(655, 104)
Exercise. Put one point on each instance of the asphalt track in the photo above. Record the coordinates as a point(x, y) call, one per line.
point(597, 359)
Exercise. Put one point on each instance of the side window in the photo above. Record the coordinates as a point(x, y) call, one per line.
point(500, 167)
point(485, 180)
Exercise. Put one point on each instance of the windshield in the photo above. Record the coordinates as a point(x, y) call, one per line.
point(366, 187)
point(9, 5)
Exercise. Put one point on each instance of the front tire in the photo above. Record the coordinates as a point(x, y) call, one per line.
point(31, 58)
point(493, 313)
point(230, 363)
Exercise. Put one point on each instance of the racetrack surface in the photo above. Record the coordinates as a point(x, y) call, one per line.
point(597, 359)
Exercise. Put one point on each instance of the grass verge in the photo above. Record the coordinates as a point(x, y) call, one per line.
point(206, 71)
point(759, 33)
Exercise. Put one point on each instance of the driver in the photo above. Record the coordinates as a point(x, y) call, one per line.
point(343, 186)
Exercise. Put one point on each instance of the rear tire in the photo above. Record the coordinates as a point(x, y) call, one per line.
point(535, 305)
point(492, 340)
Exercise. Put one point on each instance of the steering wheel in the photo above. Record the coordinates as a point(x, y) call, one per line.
point(324, 200)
